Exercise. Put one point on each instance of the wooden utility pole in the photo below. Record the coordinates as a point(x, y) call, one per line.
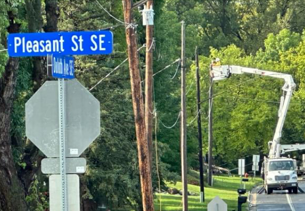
point(210, 131)
point(183, 122)
point(138, 109)
point(148, 83)
point(199, 128)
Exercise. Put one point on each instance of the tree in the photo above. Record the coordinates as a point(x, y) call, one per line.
point(12, 196)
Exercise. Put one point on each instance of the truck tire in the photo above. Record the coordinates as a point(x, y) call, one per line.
point(295, 190)
point(268, 190)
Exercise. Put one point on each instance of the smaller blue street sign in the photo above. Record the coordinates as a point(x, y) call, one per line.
point(63, 67)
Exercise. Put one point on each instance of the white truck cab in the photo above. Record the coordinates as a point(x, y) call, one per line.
point(280, 174)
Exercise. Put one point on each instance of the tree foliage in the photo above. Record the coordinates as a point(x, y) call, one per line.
point(266, 34)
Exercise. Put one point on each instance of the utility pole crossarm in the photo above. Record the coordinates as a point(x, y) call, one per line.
point(140, 3)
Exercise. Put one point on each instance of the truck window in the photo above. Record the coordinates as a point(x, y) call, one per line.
point(281, 165)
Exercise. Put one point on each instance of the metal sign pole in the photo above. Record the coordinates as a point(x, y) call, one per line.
point(62, 140)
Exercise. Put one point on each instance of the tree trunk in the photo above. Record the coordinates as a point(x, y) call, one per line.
point(12, 194)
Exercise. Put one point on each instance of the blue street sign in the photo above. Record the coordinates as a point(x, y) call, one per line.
point(62, 43)
point(63, 67)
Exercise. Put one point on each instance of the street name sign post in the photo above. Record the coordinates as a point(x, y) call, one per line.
point(62, 143)
point(62, 67)
point(64, 131)
point(73, 195)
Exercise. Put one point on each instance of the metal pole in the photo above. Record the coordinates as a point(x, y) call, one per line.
point(62, 141)
point(183, 121)
point(210, 131)
point(199, 128)
point(239, 206)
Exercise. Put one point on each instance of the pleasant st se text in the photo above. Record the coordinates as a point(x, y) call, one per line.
point(58, 45)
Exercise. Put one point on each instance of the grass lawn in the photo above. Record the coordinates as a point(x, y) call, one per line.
point(224, 186)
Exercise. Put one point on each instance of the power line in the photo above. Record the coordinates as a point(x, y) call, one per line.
point(170, 127)
point(168, 66)
point(101, 6)
point(127, 25)
point(152, 44)
point(190, 87)
point(100, 81)
point(117, 67)
point(257, 100)
point(178, 66)
point(227, 90)
point(194, 118)
point(137, 4)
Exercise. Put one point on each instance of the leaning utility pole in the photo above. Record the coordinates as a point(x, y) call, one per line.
point(148, 15)
point(138, 109)
point(199, 128)
point(183, 122)
point(210, 131)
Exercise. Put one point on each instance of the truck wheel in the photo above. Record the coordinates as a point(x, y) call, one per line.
point(289, 190)
point(268, 190)
point(295, 190)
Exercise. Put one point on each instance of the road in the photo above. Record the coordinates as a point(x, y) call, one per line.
point(278, 200)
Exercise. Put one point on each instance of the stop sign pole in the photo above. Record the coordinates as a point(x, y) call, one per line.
point(62, 134)
point(62, 141)
point(62, 67)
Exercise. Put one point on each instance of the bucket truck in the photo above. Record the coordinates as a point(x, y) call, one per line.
point(278, 172)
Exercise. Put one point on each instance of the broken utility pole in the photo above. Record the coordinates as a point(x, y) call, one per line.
point(138, 109)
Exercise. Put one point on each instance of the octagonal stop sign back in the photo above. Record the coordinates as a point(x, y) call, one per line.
point(82, 118)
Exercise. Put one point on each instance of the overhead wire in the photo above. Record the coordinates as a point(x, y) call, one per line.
point(227, 90)
point(117, 67)
point(166, 67)
point(101, 6)
point(194, 119)
point(257, 100)
point(170, 127)
point(151, 45)
point(127, 25)
point(179, 63)
point(189, 88)
point(157, 159)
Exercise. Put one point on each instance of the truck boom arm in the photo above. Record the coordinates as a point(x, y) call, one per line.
point(225, 71)
point(292, 148)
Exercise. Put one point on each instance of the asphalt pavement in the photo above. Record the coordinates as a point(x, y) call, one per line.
point(278, 200)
